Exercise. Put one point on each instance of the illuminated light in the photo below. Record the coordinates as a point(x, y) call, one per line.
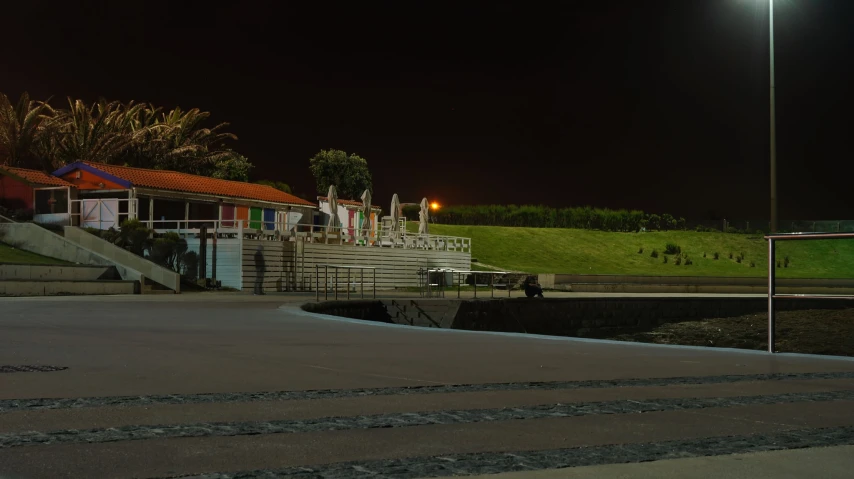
point(434, 205)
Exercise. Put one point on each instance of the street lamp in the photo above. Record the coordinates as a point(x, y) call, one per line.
point(773, 121)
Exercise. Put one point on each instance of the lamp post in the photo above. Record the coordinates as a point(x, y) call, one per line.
point(773, 121)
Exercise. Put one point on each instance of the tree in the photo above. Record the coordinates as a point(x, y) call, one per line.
point(34, 135)
point(230, 166)
point(349, 173)
point(98, 133)
point(22, 128)
point(279, 185)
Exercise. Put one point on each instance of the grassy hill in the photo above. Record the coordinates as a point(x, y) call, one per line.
point(553, 250)
point(9, 254)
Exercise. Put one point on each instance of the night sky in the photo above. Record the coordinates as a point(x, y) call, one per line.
point(656, 105)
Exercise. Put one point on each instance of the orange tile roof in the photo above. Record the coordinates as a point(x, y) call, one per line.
point(349, 203)
point(36, 177)
point(185, 182)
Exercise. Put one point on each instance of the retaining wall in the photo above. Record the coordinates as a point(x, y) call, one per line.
point(581, 317)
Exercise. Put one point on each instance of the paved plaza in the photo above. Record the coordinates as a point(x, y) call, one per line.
point(230, 385)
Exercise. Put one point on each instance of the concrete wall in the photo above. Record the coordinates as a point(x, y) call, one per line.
point(134, 267)
point(36, 239)
point(55, 272)
point(579, 317)
point(691, 284)
point(64, 288)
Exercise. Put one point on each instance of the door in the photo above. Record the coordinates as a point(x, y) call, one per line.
point(255, 217)
point(90, 214)
point(269, 219)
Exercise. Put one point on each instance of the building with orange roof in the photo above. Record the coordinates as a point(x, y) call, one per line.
point(171, 200)
point(35, 192)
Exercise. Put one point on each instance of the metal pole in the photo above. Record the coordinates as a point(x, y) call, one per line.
point(326, 282)
point(348, 283)
point(771, 274)
point(492, 284)
point(375, 283)
point(475, 284)
point(362, 281)
point(773, 120)
point(459, 284)
point(508, 284)
point(336, 283)
point(316, 283)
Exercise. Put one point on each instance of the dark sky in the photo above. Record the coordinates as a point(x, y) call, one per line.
point(657, 105)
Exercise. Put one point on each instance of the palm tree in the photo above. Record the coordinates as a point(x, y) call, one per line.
point(98, 133)
point(189, 146)
point(22, 129)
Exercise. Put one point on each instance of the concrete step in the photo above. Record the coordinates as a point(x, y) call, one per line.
point(65, 287)
point(14, 271)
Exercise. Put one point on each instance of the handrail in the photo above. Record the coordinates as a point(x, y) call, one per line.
point(459, 274)
point(336, 268)
point(771, 238)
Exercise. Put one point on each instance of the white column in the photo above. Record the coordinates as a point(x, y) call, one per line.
point(151, 213)
point(187, 214)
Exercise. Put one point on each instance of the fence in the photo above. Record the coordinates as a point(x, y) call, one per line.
point(276, 231)
point(335, 282)
point(764, 226)
point(772, 296)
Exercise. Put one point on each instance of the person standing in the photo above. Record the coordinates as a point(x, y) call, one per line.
point(260, 269)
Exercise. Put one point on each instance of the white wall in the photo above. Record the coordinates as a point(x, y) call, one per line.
point(228, 260)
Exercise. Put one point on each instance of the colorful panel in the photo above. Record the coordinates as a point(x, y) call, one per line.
point(255, 217)
point(269, 219)
point(228, 212)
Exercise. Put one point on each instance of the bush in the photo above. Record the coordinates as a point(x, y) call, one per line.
point(410, 212)
point(654, 254)
point(704, 254)
point(738, 259)
point(640, 251)
point(677, 260)
point(665, 259)
point(730, 256)
point(717, 256)
point(190, 266)
point(733, 230)
point(671, 248)
point(786, 262)
point(752, 264)
point(688, 261)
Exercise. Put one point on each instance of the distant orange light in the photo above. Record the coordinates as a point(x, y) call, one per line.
point(434, 205)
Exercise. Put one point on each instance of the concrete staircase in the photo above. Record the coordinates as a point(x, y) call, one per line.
point(429, 313)
point(62, 280)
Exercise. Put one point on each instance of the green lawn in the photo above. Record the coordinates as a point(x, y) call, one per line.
point(9, 254)
point(553, 250)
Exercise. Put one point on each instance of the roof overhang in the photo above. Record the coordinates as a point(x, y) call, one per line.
point(79, 165)
point(180, 195)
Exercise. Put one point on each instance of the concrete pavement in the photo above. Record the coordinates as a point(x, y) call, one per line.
point(177, 386)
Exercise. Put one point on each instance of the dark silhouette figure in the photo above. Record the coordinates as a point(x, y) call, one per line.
point(260, 268)
point(532, 288)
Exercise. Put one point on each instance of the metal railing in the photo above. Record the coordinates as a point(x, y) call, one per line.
point(335, 268)
point(772, 276)
point(278, 231)
point(426, 285)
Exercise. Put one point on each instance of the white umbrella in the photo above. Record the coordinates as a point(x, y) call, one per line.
point(423, 216)
point(366, 210)
point(332, 198)
point(395, 215)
